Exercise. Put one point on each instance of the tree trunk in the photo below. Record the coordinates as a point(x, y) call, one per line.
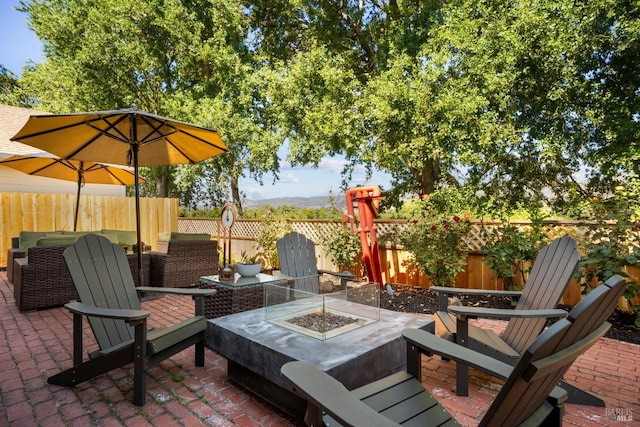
point(235, 194)
point(430, 175)
point(162, 181)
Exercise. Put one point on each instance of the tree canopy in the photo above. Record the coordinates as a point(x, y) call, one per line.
point(528, 102)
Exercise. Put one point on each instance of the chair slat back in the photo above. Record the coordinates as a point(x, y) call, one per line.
point(297, 256)
point(549, 357)
point(102, 276)
point(551, 273)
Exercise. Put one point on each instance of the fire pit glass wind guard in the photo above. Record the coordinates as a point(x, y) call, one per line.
point(322, 316)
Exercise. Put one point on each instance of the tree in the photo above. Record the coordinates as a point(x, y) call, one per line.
point(10, 90)
point(528, 101)
point(515, 98)
point(180, 58)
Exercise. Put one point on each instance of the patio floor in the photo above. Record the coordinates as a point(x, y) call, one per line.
point(35, 345)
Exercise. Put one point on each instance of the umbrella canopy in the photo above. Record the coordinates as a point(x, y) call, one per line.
point(71, 170)
point(123, 137)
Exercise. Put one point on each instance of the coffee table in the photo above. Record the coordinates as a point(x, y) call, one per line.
point(256, 350)
point(236, 295)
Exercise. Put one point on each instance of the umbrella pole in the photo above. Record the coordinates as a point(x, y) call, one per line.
point(75, 219)
point(134, 150)
point(80, 179)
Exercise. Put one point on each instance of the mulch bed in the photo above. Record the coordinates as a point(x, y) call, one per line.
point(415, 299)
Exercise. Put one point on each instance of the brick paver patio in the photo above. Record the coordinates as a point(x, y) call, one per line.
point(35, 345)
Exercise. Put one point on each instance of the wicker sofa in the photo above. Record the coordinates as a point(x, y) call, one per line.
point(182, 260)
point(38, 273)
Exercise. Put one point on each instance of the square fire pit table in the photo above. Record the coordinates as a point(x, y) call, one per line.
point(234, 296)
point(256, 350)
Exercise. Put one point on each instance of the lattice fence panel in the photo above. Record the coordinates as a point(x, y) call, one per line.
point(198, 225)
point(386, 230)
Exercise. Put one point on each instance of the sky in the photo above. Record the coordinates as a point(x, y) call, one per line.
point(20, 45)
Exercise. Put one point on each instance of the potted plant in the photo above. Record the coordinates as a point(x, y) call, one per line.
point(249, 265)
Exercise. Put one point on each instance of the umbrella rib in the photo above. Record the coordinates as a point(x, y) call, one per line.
point(123, 137)
point(180, 151)
point(54, 161)
point(155, 129)
point(56, 129)
point(101, 132)
point(223, 149)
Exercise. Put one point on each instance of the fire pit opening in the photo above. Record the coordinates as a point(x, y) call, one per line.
point(322, 316)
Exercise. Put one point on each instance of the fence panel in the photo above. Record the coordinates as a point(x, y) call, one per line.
point(49, 212)
point(392, 256)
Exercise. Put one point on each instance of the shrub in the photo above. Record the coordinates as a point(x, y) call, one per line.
point(437, 244)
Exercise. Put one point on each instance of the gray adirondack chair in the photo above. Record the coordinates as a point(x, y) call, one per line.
point(528, 397)
point(103, 279)
point(297, 256)
point(552, 270)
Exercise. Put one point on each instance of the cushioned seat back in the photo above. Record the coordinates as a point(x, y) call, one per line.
point(190, 236)
point(54, 240)
point(29, 239)
point(102, 277)
point(122, 237)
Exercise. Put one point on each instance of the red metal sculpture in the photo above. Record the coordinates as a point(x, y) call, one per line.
point(367, 200)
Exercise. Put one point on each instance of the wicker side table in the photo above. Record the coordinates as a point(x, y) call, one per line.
point(234, 296)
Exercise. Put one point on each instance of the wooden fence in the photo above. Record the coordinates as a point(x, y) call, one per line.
point(44, 212)
point(392, 256)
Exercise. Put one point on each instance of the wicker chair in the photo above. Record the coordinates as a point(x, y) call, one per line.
point(184, 262)
point(42, 279)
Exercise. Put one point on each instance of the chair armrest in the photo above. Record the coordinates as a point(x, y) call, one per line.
point(20, 262)
point(344, 277)
point(467, 291)
point(324, 393)
point(197, 294)
point(431, 344)
point(177, 291)
point(473, 312)
point(107, 313)
point(156, 253)
point(445, 292)
point(17, 252)
point(345, 274)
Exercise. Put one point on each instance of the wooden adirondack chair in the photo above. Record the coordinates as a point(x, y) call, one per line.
point(101, 274)
point(297, 256)
point(528, 396)
point(553, 268)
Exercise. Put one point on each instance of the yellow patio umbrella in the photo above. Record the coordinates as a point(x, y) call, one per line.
point(122, 137)
point(71, 170)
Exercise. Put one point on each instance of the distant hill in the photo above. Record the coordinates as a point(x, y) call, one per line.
point(298, 202)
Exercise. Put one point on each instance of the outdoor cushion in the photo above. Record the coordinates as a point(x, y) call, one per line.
point(190, 236)
point(112, 235)
point(74, 233)
point(53, 240)
point(126, 237)
point(29, 239)
point(62, 240)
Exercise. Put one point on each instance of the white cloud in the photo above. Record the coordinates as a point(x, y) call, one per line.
point(333, 164)
point(288, 178)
